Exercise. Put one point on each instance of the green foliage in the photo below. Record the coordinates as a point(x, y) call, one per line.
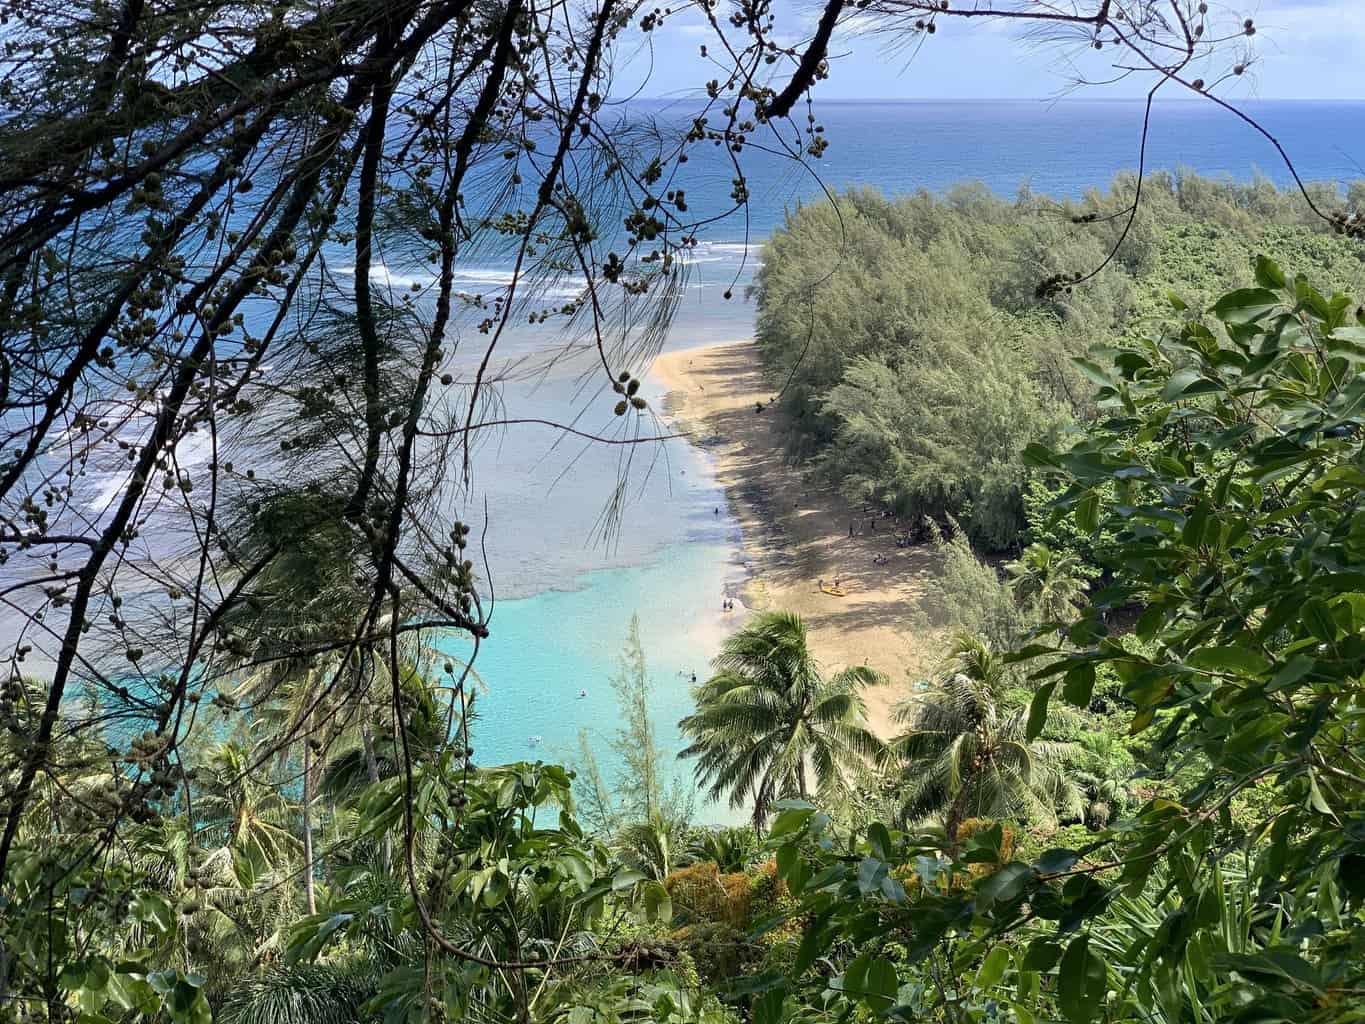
point(1226, 470)
point(640, 785)
point(967, 595)
point(768, 725)
point(730, 849)
point(966, 753)
point(922, 359)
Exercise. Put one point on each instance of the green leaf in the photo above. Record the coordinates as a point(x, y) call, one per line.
point(1088, 513)
point(814, 941)
point(770, 1007)
point(1315, 798)
point(1245, 305)
point(658, 904)
point(791, 819)
point(154, 909)
point(870, 874)
point(993, 967)
point(1037, 710)
point(1275, 962)
point(1294, 669)
point(1195, 524)
point(1269, 274)
point(1055, 861)
point(625, 878)
point(984, 846)
point(1078, 685)
point(1235, 660)
point(1042, 955)
point(1004, 885)
point(1080, 982)
point(879, 840)
point(1318, 619)
point(1096, 373)
point(1188, 383)
point(1039, 456)
point(880, 985)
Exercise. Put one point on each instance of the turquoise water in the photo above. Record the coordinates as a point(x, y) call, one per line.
point(552, 646)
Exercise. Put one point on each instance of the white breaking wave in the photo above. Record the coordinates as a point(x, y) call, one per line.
point(475, 281)
point(731, 253)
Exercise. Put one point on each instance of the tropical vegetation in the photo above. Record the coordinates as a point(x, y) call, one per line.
point(239, 777)
point(934, 356)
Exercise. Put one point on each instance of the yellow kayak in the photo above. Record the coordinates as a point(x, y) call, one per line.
point(832, 591)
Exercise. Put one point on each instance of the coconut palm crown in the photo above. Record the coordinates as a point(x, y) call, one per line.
point(966, 754)
point(768, 721)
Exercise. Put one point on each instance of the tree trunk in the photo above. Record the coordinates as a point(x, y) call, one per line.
point(371, 762)
point(310, 897)
point(954, 819)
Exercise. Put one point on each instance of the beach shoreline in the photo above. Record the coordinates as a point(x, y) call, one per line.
point(796, 534)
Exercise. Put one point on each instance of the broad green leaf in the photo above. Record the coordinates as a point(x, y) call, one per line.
point(791, 819)
point(770, 1007)
point(1188, 383)
point(1042, 955)
point(154, 909)
point(1078, 685)
point(1080, 982)
point(1088, 513)
point(657, 903)
point(879, 840)
point(1269, 274)
point(1276, 962)
point(993, 967)
point(1037, 710)
point(1234, 660)
point(1004, 885)
point(1055, 861)
point(1245, 305)
point(880, 985)
point(1318, 619)
point(871, 871)
point(625, 878)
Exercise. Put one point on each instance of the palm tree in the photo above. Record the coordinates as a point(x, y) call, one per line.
point(767, 719)
point(966, 753)
point(312, 681)
point(1052, 582)
point(249, 815)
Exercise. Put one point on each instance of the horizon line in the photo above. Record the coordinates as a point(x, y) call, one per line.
point(1025, 99)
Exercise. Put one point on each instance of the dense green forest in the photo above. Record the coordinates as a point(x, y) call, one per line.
point(1077, 821)
point(237, 513)
point(920, 358)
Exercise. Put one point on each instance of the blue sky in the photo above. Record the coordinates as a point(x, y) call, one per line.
point(1306, 49)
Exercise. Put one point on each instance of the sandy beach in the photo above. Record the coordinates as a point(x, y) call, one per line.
point(797, 534)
